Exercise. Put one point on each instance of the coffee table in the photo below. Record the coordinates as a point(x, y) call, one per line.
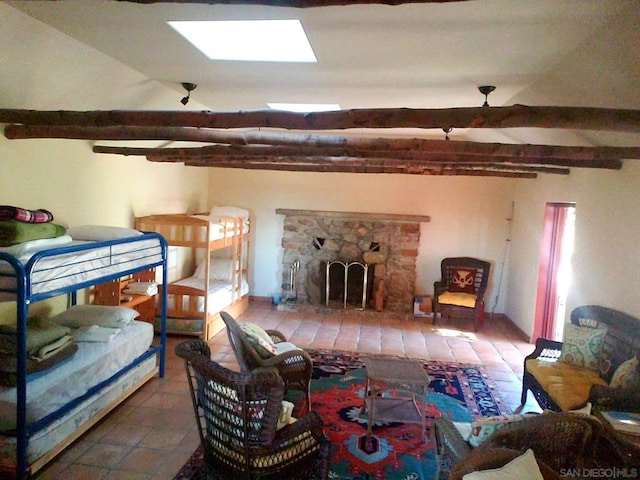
point(396, 391)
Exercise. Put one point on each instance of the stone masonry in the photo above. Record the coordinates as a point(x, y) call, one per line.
point(390, 245)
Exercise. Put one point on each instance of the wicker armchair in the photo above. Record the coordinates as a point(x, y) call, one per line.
point(490, 458)
point(295, 366)
point(473, 286)
point(559, 440)
point(237, 414)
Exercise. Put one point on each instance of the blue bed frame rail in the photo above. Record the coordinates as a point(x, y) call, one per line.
point(24, 297)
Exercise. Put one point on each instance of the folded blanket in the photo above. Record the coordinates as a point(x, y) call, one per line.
point(7, 212)
point(40, 332)
point(12, 231)
point(142, 288)
point(95, 333)
point(51, 349)
point(35, 367)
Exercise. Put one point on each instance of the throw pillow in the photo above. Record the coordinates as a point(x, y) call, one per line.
point(463, 280)
point(479, 430)
point(259, 339)
point(285, 418)
point(626, 375)
point(482, 428)
point(523, 467)
point(581, 346)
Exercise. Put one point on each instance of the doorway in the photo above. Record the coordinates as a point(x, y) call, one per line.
point(554, 270)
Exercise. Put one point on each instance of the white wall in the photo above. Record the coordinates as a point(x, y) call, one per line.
point(44, 69)
point(606, 259)
point(468, 214)
point(602, 72)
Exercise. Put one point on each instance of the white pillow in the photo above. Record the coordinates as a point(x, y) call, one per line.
point(102, 315)
point(100, 233)
point(221, 269)
point(523, 467)
point(218, 212)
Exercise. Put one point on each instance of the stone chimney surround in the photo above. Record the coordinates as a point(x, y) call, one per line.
point(389, 242)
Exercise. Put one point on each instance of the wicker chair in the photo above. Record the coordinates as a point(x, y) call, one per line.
point(475, 285)
point(295, 366)
point(237, 414)
point(621, 342)
point(490, 458)
point(559, 440)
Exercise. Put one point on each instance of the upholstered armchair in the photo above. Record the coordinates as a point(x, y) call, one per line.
point(238, 416)
point(460, 291)
point(254, 349)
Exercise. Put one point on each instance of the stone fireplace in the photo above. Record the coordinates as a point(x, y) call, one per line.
point(386, 243)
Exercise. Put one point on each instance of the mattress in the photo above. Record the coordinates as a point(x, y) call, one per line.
point(93, 363)
point(220, 294)
point(48, 438)
point(51, 273)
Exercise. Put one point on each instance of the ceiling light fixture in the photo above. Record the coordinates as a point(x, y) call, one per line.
point(486, 90)
point(189, 87)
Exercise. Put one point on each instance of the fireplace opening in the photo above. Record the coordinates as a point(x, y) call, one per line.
point(347, 284)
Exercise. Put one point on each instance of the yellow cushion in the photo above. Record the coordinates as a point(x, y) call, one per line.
point(566, 384)
point(458, 299)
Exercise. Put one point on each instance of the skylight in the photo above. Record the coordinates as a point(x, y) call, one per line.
point(305, 107)
point(249, 40)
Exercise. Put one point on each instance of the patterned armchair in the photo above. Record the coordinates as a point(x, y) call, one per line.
point(237, 415)
point(460, 291)
point(294, 364)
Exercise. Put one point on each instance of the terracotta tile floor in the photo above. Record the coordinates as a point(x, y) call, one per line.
point(153, 433)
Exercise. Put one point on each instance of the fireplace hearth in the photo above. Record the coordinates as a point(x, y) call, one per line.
point(380, 247)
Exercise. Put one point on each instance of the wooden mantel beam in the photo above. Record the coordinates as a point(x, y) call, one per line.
point(579, 118)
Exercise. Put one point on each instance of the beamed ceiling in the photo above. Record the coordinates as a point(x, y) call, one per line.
point(404, 111)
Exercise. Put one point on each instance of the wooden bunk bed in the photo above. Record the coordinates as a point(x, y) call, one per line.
point(190, 309)
point(42, 412)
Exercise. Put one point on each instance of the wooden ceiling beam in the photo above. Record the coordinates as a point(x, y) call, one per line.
point(578, 118)
point(351, 164)
point(282, 165)
point(215, 152)
point(352, 143)
point(294, 3)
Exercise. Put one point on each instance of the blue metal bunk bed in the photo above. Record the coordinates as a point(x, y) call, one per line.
point(63, 271)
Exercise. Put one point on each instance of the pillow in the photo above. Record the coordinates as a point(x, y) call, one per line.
point(581, 346)
point(221, 269)
point(477, 431)
point(102, 315)
point(259, 339)
point(523, 467)
point(100, 233)
point(218, 212)
point(285, 418)
point(483, 427)
point(463, 280)
point(626, 375)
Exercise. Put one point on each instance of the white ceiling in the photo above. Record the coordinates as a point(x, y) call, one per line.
point(543, 52)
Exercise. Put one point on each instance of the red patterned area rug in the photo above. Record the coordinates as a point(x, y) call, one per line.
point(459, 391)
